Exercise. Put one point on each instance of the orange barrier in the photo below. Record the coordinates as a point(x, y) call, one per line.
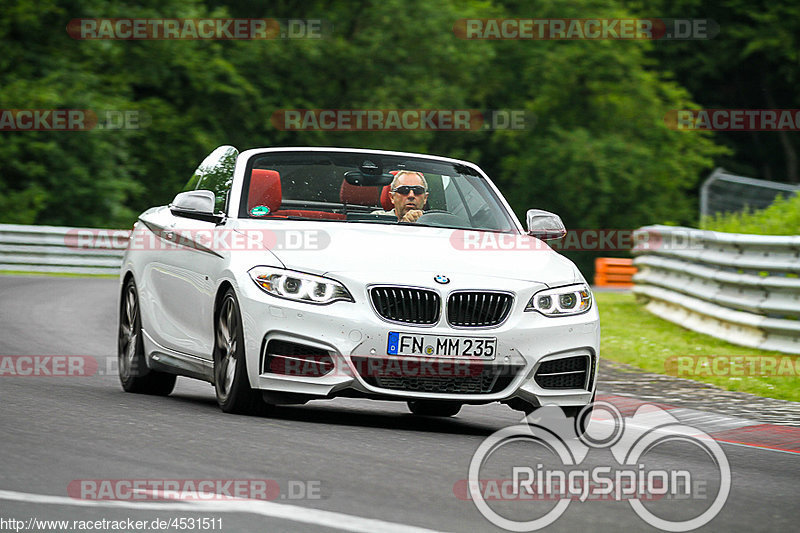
point(613, 272)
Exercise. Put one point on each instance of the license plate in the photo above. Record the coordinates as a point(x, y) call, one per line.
point(444, 346)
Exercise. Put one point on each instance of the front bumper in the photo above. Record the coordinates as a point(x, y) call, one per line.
point(355, 339)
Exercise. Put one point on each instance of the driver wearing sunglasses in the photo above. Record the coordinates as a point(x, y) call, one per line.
point(409, 192)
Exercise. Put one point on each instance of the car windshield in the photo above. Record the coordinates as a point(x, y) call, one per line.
point(355, 187)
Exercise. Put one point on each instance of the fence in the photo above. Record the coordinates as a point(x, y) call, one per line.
point(741, 288)
point(60, 250)
point(722, 192)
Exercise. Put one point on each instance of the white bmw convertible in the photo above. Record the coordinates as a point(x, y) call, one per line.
point(283, 275)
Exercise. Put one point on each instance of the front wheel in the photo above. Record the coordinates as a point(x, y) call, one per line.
point(580, 416)
point(434, 408)
point(134, 374)
point(234, 394)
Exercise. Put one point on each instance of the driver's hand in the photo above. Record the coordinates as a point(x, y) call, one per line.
point(411, 216)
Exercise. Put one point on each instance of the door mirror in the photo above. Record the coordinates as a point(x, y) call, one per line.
point(545, 225)
point(198, 205)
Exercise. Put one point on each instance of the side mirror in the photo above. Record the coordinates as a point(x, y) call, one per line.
point(545, 225)
point(198, 205)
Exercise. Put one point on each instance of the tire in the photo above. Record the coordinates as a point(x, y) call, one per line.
point(434, 408)
point(234, 394)
point(581, 415)
point(134, 374)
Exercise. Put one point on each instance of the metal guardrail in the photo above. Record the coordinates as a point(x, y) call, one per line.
point(61, 250)
point(741, 288)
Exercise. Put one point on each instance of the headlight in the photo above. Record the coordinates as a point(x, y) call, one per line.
point(562, 301)
point(299, 286)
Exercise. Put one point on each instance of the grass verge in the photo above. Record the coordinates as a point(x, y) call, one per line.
point(632, 335)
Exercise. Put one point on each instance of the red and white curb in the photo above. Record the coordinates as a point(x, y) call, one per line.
point(722, 428)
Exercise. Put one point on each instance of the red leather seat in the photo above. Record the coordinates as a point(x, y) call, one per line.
point(386, 198)
point(358, 195)
point(265, 190)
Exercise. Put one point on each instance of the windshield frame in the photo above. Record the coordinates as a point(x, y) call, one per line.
point(247, 160)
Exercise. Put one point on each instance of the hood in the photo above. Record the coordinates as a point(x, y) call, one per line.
point(330, 247)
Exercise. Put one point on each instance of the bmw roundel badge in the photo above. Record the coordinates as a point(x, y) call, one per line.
point(441, 279)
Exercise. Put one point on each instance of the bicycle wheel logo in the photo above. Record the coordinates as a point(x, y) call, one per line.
point(572, 475)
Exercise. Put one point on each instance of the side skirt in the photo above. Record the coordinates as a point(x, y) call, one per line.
point(165, 360)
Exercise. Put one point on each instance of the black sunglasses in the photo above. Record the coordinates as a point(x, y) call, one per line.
point(405, 189)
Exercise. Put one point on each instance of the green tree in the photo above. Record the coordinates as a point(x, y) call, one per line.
point(753, 63)
point(598, 153)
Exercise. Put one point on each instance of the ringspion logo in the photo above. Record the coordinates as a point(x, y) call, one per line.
point(632, 475)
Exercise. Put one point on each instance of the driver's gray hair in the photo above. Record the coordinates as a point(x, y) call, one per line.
point(420, 174)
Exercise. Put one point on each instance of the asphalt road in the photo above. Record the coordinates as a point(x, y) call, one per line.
point(370, 466)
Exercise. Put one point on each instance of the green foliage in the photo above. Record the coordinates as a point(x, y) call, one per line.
point(780, 218)
point(751, 64)
point(599, 152)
